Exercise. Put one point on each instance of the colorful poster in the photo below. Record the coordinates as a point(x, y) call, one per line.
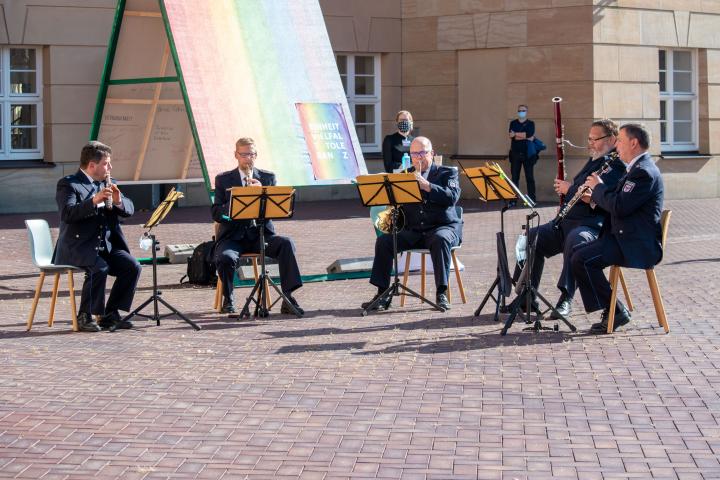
point(245, 65)
point(328, 141)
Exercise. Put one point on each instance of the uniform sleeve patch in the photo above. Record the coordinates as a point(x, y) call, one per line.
point(452, 184)
point(628, 187)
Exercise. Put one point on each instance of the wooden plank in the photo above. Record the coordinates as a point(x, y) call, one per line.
point(151, 116)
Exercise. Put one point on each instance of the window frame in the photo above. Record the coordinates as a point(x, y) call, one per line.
point(7, 99)
point(670, 96)
point(354, 99)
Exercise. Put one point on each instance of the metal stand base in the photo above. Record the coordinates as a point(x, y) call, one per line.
point(156, 298)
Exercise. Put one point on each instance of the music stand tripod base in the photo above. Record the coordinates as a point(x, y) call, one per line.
point(157, 216)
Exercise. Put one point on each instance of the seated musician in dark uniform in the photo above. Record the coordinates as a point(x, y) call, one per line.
point(91, 207)
point(582, 221)
point(236, 237)
point(431, 224)
point(633, 235)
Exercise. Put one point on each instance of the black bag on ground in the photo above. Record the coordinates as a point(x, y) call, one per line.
point(200, 266)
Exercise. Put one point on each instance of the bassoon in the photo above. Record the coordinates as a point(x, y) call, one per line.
point(559, 143)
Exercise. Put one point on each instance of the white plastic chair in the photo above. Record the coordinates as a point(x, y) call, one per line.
point(41, 251)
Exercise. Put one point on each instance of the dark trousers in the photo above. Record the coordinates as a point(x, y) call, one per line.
point(518, 161)
point(126, 270)
point(565, 240)
point(227, 257)
point(439, 241)
point(588, 263)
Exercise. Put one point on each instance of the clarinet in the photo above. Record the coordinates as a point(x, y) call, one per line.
point(604, 168)
point(108, 201)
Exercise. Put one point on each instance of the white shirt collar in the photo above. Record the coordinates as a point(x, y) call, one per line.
point(242, 175)
point(630, 165)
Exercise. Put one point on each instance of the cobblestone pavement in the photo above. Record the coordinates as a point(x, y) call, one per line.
point(409, 393)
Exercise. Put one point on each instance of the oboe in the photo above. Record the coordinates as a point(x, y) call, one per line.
point(604, 168)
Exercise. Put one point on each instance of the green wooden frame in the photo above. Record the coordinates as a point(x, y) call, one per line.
point(105, 83)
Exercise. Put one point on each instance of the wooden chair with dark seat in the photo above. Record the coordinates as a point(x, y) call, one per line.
point(41, 251)
point(616, 273)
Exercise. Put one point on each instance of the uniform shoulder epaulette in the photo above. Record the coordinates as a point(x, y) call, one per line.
point(226, 172)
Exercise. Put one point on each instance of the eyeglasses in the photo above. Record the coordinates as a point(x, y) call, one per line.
point(593, 140)
point(418, 154)
point(247, 155)
point(522, 111)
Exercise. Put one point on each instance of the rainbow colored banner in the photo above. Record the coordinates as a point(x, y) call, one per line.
point(328, 141)
point(245, 65)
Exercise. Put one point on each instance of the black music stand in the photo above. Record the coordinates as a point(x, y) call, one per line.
point(492, 184)
point(260, 204)
point(524, 287)
point(157, 216)
point(393, 189)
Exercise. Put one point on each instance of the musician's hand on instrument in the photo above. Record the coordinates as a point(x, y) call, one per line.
point(520, 136)
point(424, 184)
point(561, 186)
point(115, 193)
point(254, 182)
point(586, 197)
point(592, 181)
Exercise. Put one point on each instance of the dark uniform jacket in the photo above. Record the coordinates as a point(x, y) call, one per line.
point(82, 224)
point(437, 208)
point(238, 229)
point(635, 206)
point(582, 213)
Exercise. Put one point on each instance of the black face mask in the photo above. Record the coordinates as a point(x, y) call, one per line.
point(404, 126)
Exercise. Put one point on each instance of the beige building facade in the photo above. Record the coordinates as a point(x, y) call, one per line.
point(460, 66)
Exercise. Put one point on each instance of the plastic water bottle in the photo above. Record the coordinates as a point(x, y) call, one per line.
point(405, 162)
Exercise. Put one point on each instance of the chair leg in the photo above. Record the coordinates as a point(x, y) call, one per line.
point(405, 277)
point(461, 287)
point(625, 289)
point(657, 299)
point(255, 268)
point(422, 274)
point(218, 295)
point(38, 289)
point(53, 299)
point(613, 297)
point(71, 288)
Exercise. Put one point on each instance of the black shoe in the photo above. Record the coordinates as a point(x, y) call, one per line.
point(442, 301)
point(112, 321)
point(86, 323)
point(383, 304)
point(622, 317)
point(563, 307)
point(228, 307)
point(287, 309)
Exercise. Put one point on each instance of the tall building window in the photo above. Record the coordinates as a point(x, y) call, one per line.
point(360, 75)
point(678, 101)
point(21, 136)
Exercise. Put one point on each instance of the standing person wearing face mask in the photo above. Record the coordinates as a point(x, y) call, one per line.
point(522, 132)
point(398, 143)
